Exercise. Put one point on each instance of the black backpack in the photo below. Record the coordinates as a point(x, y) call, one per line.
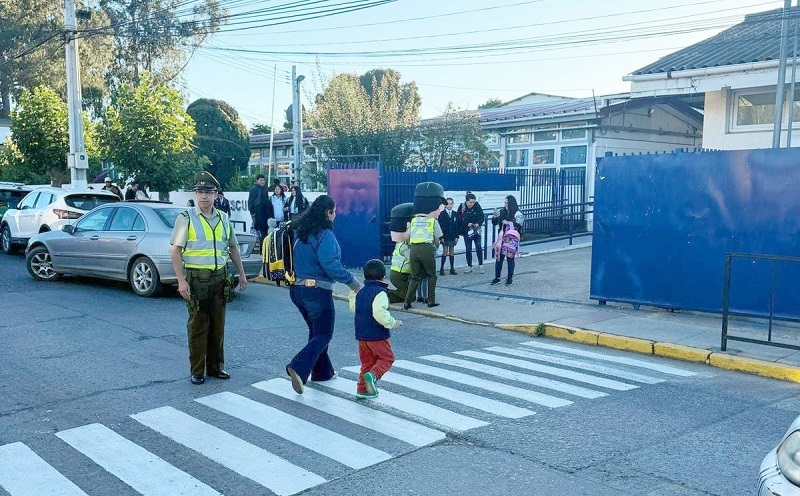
point(277, 255)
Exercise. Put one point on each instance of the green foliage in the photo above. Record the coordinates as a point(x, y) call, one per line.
point(147, 134)
point(354, 121)
point(492, 102)
point(39, 132)
point(452, 141)
point(221, 136)
point(541, 330)
point(241, 183)
point(260, 129)
point(13, 168)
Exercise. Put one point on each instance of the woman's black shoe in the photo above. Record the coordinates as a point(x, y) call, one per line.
point(508, 282)
point(495, 280)
point(406, 306)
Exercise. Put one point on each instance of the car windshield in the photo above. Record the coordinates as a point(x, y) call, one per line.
point(88, 201)
point(168, 215)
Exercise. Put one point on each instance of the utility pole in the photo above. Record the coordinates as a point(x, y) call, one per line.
point(272, 119)
point(781, 87)
point(77, 160)
point(297, 125)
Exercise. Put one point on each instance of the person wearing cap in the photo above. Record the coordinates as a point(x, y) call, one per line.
point(109, 186)
point(130, 193)
point(202, 242)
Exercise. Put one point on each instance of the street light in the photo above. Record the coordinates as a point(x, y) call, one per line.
point(297, 125)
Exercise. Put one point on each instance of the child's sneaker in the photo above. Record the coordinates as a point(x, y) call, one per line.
point(366, 396)
point(369, 381)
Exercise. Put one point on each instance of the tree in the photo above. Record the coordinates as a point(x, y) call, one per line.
point(289, 124)
point(158, 36)
point(260, 129)
point(148, 135)
point(452, 141)
point(40, 134)
point(355, 122)
point(492, 102)
point(221, 136)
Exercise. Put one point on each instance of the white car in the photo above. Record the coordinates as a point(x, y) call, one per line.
point(780, 470)
point(47, 209)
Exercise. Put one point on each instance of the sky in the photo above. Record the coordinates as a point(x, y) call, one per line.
point(460, 51)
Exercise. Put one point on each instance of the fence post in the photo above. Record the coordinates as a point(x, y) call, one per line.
point(726, 288)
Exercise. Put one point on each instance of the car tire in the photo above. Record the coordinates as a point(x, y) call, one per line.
point(5, 240)
point(144, 277)
point(40, 265)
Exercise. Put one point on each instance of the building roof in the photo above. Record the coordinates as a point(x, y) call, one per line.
point(756, 39)
point(262, 140)
point(548, 109)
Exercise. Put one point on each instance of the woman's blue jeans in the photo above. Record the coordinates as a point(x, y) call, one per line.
point(316, 307)
point(478, 249)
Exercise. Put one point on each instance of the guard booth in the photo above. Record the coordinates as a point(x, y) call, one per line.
point(365, 192)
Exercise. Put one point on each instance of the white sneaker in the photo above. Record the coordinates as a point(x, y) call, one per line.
point(468, 270)
point(483, 271)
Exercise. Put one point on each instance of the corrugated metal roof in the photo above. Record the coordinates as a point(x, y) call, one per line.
point(263, 139)
point(756, 39)
point(563, 107)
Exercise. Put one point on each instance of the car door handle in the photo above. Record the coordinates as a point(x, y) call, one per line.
point(94, 238)
point(131, 238)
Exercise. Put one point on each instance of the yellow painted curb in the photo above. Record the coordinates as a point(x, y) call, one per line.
point(571, 334)
point(681, 352)
point(261, 280)
point(524, 328)
point(626, 343)
point(749, 365)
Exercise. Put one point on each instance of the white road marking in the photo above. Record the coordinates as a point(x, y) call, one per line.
point(24, 473)
point(410, 432)
point(447, 419)
point(265, 468)
point(517, 376)
point(145, 472)
point(296, 430)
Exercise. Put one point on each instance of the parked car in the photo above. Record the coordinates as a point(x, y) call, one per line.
point(11, 194)
point(47, 209)
point(780, 470)
point(126, 241)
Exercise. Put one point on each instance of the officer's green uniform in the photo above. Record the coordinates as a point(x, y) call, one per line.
point(423, 234)
point(206, 242)
point(400, 273)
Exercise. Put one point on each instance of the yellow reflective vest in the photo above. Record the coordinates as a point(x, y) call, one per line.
point(421, 230)
point(400, 258)
point(206, 248)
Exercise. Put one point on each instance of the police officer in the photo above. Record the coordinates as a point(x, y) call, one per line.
point(202, 241)
point(424, 235)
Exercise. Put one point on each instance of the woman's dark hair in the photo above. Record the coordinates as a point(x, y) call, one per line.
point(513, 208)
point(374, 270)
point(314, 218)
point(297, 191)
point(471, 196)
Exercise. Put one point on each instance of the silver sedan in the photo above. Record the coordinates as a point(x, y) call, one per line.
point(126, 241)
point(780, 470)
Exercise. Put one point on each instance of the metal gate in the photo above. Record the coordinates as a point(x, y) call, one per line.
point(552, 200)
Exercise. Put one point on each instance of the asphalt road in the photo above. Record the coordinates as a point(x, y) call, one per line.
point(80, 352)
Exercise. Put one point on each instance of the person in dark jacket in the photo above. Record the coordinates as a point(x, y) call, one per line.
point(222, 203)
point(373, 322)
point(259, 206)
point(508, 216)
point(296, 204)
point(318, 267)
point(451, 229)
point(471, 215)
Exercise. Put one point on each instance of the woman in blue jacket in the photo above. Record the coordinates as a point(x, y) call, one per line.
point(317, 266)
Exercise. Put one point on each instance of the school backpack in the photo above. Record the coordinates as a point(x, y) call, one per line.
point(277, 255)
point(508, 243)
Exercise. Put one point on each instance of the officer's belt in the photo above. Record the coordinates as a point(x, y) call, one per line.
point(314, 283)
point(195, 270)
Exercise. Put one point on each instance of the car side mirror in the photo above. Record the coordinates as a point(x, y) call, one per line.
point(69, 229)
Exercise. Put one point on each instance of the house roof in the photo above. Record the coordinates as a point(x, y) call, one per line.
point(564, 107)
point(756, 39)
point(261, 140)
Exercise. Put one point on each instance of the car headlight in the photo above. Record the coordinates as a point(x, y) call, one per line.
point(789, 457)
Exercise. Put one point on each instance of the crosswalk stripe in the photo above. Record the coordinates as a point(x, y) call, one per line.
point(472, 400)
point(265, 468)
point(440, 416)
point(565, 362)
point(516, 376)
point(296, 430)
point(24, 473)
point(666, 369)
point(566, 374)
point(143, 471)
point(496, 387)
point(410, 432)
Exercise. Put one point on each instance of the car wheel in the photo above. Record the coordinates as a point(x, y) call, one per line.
point(40, 265)
point(144, 277)
point(5, 240)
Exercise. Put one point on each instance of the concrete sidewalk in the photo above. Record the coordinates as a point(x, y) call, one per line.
point(551, 287)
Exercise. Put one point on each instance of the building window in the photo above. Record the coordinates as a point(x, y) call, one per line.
point(519, 138)
point(573, 155)
point(544, 157)
point(255, 153)
point(545, 136)
point(491, 140)
point(280, 152)
point(570, 134)
point(755, 109)
point(516, 158)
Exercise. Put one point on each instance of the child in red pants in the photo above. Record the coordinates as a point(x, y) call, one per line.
point(372, 322)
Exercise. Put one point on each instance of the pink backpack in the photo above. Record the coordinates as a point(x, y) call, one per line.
point(508, 243)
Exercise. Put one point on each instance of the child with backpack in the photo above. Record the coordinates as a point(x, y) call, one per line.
point(373, 322)
point(510, 220)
